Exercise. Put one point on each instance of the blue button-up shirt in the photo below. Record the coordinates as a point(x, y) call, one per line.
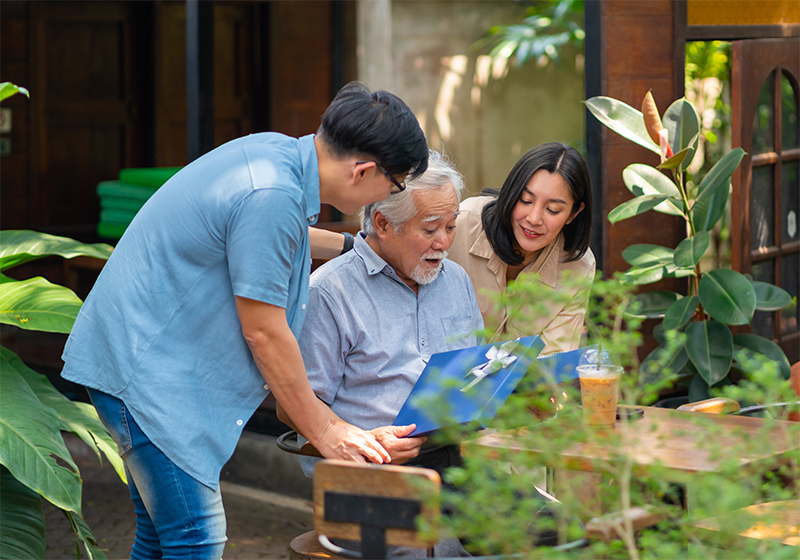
point(369, 336)
point(160, 329)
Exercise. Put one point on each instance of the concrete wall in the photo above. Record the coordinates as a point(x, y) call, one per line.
point(484, 116)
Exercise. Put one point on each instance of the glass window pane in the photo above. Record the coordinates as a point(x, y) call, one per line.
point(763, 321)
point(790, 124)
point(790, 201)
point(762, 208)
point(762, 120)
point(790, 281)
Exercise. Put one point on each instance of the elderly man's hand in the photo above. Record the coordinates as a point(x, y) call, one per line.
point(341, 440)
point(400, 448)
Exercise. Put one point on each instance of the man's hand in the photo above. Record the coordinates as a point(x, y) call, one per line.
point(400, 448)
point(341, 440)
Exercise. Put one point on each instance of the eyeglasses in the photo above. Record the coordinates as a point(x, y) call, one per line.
point(398, 186)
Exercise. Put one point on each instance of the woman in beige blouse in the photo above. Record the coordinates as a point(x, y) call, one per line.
point(540, 221)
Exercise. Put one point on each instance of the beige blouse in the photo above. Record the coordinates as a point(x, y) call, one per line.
point(561, 327)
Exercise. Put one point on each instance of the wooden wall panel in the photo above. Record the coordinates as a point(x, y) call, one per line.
point(638, 53)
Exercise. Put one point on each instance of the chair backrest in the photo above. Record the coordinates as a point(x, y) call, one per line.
point(376, 503)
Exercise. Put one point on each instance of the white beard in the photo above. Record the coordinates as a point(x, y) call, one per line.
point(424, 274)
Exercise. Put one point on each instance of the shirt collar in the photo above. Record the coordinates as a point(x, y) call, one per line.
point(546, 264)
point(310, 172)
point(373, 262)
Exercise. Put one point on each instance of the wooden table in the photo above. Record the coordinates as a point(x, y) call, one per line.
point(674, 440)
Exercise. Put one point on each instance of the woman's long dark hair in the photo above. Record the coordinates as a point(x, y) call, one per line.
point(555, 158)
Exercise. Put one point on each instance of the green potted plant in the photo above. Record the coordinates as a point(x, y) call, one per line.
point(717, 299)
point(34, 460)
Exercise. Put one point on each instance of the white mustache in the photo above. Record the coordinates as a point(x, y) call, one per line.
point(436, 255)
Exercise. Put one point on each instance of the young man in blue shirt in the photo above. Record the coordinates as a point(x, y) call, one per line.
point(196, 315)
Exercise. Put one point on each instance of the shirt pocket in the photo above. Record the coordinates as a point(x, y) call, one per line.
point(458, 332)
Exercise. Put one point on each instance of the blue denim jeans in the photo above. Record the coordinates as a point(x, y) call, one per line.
point(176, 516)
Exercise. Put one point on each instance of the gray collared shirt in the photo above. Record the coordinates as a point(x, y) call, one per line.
point(367, 336)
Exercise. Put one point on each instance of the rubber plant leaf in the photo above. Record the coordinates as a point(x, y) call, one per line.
point(652, 120)
point(680, 312)
point(691, 250)
point(652, 305)
point(707, 211)
point(769, 297)
point(719, 175)
point(622, 119)
point(7, 89)
point(642, 179)
point(683, 124)
point(727, 296)
point(766, 348)
point(635, 206)
point(709, 345)
point(641, 254)
point(662, 362)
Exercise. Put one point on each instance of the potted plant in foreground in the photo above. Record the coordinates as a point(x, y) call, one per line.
point(34, 460)
point(717, 298)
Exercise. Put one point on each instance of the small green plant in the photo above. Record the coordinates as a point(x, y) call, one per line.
point(34, 460)
point(497, 510)
point(717, 298)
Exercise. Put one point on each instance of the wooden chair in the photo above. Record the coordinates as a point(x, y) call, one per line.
point(374, 504)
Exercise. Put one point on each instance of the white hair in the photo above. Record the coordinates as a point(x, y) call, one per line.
point(399, 208)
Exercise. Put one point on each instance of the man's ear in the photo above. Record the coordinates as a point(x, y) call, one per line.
point(361, 171)
point(380, 223)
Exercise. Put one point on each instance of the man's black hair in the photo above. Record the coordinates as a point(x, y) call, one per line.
point(555, 158)
point(376, 126)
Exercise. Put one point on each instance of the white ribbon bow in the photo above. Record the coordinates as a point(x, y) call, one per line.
point(499, 358)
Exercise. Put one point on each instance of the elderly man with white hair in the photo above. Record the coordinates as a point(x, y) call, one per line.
point(377, 313)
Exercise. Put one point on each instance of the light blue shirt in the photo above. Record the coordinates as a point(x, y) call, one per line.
point(160, 330)
point(369, 336)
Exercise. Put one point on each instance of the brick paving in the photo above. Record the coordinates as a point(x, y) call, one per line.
point(260, 524)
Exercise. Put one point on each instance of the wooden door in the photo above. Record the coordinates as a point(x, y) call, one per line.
point(233, 77)
point(85, 101)
point(766, 187)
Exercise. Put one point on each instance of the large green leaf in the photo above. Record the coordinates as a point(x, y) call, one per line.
point(21, 520)
point(642, 179)
point(680, 312)
point(691, 250)
point(622, 119)
point(707, 212)
point(640, 275)
point(728, 296)
point(21, 245)
point(635, 206)
point(719, 175)
point(709, 345)
point(30, 443)
point(683, 124)
point(76, 417)
point(769, 297)
point(766, 348)
point(641, 254)
point(698, 389)
point(36, 304)
point(671, 363)
point(653, 305)
point(84, 534)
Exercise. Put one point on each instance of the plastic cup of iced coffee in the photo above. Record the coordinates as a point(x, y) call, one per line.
point(599, 393)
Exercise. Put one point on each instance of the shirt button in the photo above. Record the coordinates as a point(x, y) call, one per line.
point(239, 422)
point(303, 306)
point(266, 387)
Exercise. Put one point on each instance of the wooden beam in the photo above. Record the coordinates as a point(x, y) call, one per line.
point(199, 77)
